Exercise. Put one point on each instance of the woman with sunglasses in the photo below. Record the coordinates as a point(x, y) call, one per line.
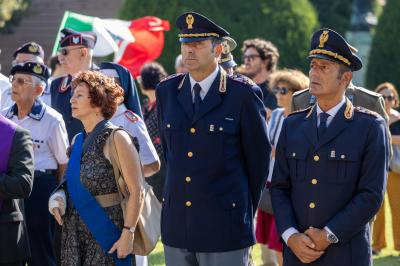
point(389, 93)
point(284, 83)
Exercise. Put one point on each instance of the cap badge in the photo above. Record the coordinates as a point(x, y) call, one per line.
point(190, 21)
point(33, 48)
point(75, 40)
point(323, 38)
point(37, 69)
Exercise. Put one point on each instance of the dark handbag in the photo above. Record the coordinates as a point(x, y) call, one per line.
point(265, 203)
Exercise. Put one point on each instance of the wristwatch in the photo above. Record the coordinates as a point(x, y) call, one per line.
point(331, 238)
point(130, 229)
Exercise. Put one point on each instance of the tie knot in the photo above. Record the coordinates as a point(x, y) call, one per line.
point(197, 89)
point(323, 117)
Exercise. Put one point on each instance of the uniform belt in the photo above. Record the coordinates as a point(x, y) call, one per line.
point(45, 172)
point(108, 200)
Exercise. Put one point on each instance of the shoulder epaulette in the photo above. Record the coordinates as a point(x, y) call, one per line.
point(300, 92)
point(173, 76)
point(131, 116)
point(301, 111)
point(242, 79)
point(363, 110)
point(366, 91)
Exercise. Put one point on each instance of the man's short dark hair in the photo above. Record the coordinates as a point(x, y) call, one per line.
point(151, 74)
point(53, 62)
point(343, 69)
point(266, 49)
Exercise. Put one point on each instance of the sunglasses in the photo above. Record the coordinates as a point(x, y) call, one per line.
point(388, 98)
point(20, 81)
point(250, 57)
point(280, 90)
point(65, 51)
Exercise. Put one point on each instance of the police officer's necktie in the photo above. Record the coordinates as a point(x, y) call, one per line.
point(197, 98)
point(323, 117)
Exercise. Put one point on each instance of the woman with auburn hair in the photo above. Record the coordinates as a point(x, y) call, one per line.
point(283, 83)
point(94, 229)
point(389, 93)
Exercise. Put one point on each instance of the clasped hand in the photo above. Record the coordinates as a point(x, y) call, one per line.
point(310, 245)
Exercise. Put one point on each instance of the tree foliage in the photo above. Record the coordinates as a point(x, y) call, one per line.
point(334, 14)
point(384, 61)
point(287, 23)
point(8, 8)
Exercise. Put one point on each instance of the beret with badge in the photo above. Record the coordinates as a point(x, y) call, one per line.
point(30, 48)
point(70, 37)
point(32, 68)
point(329, 45)
point(195, 27)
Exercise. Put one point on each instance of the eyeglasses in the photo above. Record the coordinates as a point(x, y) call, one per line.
point(250, 57)
point(388, 98)
point(280, 90)
point(65, 51)
point(20, 81)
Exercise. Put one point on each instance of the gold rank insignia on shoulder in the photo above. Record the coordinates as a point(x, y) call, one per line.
point(37, 69)
point(323, 38)
point(33, 48)
point(190, 21)
point(348, 112)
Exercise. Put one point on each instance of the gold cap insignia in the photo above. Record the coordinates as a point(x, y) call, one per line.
point(323, 38)
point(38, 69)
point(190, 21)
point(33, 48)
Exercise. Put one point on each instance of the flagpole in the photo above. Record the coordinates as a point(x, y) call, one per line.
point(57, 41)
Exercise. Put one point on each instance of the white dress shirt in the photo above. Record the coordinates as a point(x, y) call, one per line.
point(205, 84)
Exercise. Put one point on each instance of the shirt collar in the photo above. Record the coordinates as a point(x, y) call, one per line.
point(333, 111)
point(37, 111)
point(206, 83)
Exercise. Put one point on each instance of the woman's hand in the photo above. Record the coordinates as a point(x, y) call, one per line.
point(124, 245)
point(57, 205)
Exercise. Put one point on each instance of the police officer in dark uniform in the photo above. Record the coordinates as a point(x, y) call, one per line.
point(75, 56)
point(216, 148)
point(331, 166)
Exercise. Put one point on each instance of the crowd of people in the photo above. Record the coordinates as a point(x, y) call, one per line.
point(212, 140)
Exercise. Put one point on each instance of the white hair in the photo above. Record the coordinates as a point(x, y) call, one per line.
point(38, 82)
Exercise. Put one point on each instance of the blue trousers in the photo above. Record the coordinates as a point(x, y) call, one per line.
point(182, 257)
point(40, 222)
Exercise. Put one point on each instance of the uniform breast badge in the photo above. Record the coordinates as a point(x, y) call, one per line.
point(333, 154)
point(211, 128)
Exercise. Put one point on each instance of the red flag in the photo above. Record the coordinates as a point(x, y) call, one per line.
point(149, 43)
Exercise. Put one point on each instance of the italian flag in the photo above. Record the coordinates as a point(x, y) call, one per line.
point(133, 43)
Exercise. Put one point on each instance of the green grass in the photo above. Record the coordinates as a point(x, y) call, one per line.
point(388, 256)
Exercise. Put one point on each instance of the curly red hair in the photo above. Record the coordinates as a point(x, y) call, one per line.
point(103, 91)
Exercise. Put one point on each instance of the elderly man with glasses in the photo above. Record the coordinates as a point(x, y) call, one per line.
point(50, 143)
point(28, 52)
point(75, 55)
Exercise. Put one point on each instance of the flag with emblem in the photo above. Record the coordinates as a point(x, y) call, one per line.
point(133, 42)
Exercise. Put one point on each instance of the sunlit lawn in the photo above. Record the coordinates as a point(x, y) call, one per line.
point(388, 256)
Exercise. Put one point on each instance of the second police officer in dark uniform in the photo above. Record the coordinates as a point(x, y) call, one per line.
point(330, 166)
point(216, 148)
